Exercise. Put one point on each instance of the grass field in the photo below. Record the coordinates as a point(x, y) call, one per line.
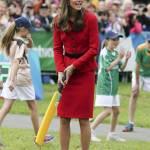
point(18, 139)
point(22, 139)
point(142, 113)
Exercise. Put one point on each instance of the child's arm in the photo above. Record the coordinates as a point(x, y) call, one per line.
point(135, 88)
point(30, 41)
point(128, 55)
point(116, 61)
point(13, 73)
point(137, 74)
point(139, 57)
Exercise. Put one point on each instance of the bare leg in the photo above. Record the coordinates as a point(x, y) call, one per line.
point(85, 133)
point(34, 114)
point(99, 119)
point(64, 133)
point(112, 135)
point(115, 113)
point(5, 109)
point(132, 106)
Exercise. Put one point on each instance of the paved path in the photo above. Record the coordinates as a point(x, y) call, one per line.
point(23, 121)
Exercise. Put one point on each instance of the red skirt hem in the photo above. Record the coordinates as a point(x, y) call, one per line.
point(75, 116)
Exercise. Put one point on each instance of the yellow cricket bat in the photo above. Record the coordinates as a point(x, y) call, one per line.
point(49, 114)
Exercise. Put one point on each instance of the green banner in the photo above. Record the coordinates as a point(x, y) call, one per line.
point(47, 64)
point(42, 39)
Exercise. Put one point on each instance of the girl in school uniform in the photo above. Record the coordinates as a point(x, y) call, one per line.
point(107, 85)
point(15, 43)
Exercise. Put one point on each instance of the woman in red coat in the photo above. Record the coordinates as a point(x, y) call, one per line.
point(76, 44)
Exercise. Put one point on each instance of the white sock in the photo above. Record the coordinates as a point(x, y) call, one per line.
point(111, 133)
point(131, 122)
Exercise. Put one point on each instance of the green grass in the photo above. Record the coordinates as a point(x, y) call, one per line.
point(142, 113)
point(22, 139)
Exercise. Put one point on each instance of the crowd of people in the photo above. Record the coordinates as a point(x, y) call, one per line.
point(120, 16)
point(123, 17)
point(39, 13)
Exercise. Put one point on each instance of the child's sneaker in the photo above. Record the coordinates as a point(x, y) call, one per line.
point(128, 128)
point(115, 137)
point(48, 138)
point(93, 137)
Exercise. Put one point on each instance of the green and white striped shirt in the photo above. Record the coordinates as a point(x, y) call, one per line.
point(107, 83)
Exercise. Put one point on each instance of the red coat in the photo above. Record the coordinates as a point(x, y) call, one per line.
point(85, 41)
point(75, 103)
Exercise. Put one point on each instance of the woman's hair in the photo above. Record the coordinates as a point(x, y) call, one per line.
point(7, 38)
point(65, 15)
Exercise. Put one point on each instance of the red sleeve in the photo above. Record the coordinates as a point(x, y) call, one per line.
point(93, 42)
point(137, 28)
point(58, 50)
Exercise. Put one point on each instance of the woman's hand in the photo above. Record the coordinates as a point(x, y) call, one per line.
point(60, 78)
point(68, 72)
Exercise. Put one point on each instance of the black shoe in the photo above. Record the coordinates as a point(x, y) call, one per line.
point(128, 128)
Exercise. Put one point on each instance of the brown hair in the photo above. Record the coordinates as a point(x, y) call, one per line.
point(64, 17)
point(7, 38)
